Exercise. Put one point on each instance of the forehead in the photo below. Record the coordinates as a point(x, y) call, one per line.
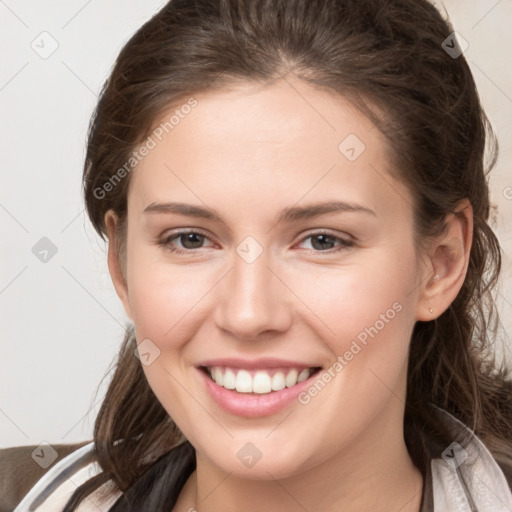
point(284, 140)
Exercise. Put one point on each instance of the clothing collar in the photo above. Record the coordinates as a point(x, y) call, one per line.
point(463, 476)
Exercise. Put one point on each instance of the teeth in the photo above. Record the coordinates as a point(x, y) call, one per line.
point(260, 382)
point(243, 382)
point(291, 378)
point(229, 379)
point(278, 381)
point(303, 375)
point(218, 376)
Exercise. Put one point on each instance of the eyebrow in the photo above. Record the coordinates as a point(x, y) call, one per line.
point(289, 214)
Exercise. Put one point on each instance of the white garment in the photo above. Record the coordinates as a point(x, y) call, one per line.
point(53, 490)
point(465, 479)
point(468, 479)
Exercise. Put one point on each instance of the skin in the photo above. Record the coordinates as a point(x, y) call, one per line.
point(248, 152)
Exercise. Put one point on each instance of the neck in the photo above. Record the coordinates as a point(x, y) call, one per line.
point(374, 472)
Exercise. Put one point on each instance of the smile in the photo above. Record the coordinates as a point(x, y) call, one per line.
point(259, 381)
point(265, 401)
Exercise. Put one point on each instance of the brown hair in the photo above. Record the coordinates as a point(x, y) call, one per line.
point(376, 52)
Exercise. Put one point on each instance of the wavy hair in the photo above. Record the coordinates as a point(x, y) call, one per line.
point(388, 59)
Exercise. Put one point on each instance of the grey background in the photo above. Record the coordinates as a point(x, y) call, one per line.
point(61, 322)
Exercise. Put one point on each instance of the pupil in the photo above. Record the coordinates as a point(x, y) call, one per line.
point(195, 240)
point(323, 238)
point(189, 237)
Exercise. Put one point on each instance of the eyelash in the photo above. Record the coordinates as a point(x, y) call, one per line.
point(344, 243)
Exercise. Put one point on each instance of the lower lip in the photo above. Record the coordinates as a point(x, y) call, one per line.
point(254, 405)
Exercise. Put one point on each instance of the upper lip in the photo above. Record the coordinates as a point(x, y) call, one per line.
point(253, 364)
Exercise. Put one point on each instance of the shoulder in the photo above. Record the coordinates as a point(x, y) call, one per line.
point(22, 466)
point(464, 471)
point(44, 477)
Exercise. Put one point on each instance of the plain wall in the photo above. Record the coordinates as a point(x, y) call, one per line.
point(61, 320)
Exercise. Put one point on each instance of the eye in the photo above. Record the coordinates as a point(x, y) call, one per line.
point(192, 240)
point(322, 242)
point(189, 240)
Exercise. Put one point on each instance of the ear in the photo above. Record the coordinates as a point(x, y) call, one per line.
point(447, 264)
point(115, 266)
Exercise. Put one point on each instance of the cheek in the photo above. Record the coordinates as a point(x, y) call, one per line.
point(164, 297)
point(368, 317)
point(368, 298)
point(165, 301)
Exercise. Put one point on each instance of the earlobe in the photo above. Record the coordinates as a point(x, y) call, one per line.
point(115, 266)
point(448, 263)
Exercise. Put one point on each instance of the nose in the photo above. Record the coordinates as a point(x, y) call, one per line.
point(253, 301)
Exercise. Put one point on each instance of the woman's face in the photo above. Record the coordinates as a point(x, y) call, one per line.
point(301, 258)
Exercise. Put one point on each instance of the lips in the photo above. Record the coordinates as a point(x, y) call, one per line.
point(257, 376)
point(252, 404)
point(258, 381)
point(256, 364)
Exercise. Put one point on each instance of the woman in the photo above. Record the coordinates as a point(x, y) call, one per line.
point(296, 204)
